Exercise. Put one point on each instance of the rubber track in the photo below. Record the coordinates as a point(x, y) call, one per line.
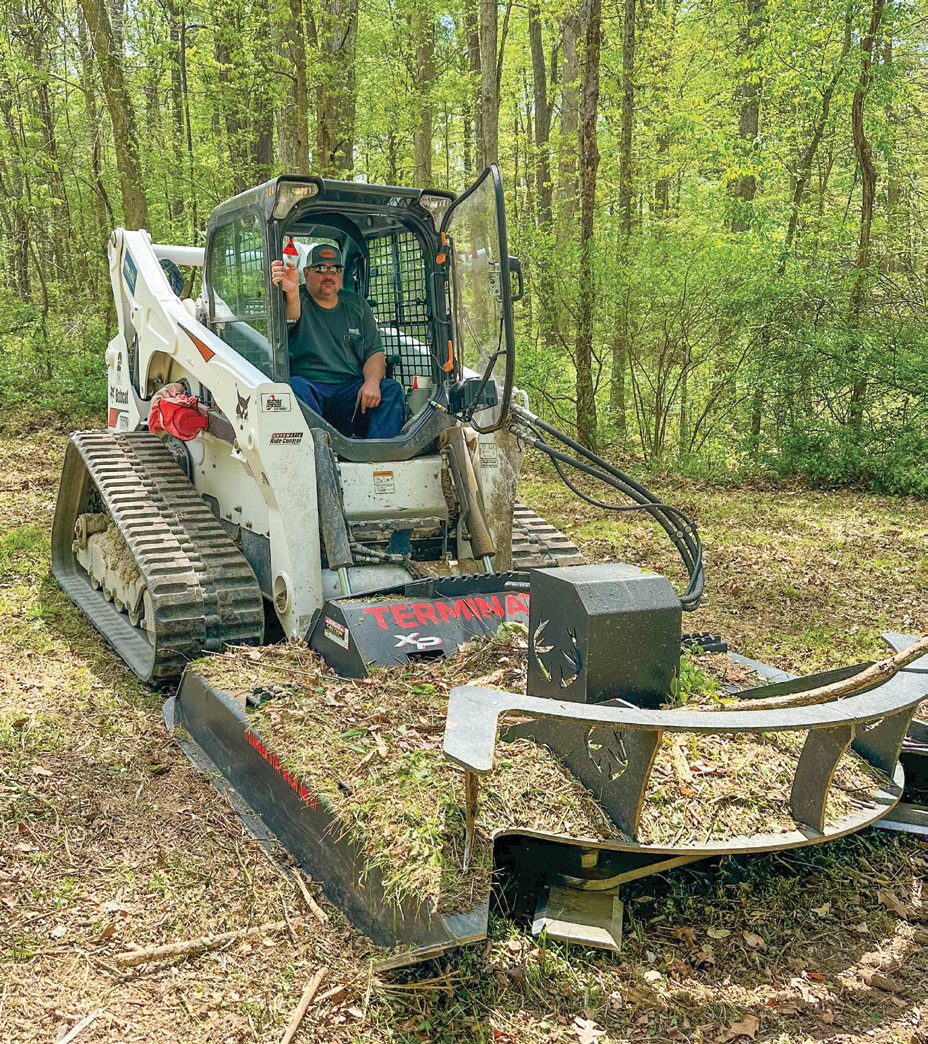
point(537, 544)
point(203, 591)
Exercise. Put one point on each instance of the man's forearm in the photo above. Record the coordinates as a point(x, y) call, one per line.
point(375, 366)
point(293, 305)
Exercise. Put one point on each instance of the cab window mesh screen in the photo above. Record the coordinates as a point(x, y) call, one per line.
point(397, 294)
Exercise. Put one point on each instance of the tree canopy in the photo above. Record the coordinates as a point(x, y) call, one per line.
point(719, 205)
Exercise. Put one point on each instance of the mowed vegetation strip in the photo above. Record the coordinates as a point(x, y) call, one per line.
point(109, 839)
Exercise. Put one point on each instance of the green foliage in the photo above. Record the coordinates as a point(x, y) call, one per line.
point(734, 332)
point(54, 362)
point(692, 683)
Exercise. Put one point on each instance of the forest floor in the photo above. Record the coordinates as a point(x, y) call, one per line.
point(109, 838)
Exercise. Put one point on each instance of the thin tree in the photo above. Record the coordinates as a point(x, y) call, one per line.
point(121, 110)
point(589, 163)
point(745, 187)
point(868, 178)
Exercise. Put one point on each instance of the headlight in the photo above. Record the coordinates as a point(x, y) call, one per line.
point(290, 193)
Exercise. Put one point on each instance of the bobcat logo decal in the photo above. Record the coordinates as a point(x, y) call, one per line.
point(241, 410)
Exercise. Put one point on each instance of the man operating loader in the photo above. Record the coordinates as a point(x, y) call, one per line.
point(337, 362)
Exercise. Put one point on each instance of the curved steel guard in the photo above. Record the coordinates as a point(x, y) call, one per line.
point(873, 723)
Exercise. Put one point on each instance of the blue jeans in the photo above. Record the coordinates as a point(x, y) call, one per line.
point(338, 404)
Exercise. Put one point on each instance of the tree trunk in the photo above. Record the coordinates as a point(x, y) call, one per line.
point(868, 178)
point(745, 188)
point(589, 163)
point(895, 251)
point(103, 213)
point(626, 156)
point(176, 205)
point(808, 157)
point(547, 297)
point(122, 114)
point(542, 119)
point(64, 241)
point(568, 185)
point(488, 143)
point(336, 93)
point(473, 104)
point(293, 105)
point(664, 107)
point(423, 34)
point(17, 192)
point(236, 133)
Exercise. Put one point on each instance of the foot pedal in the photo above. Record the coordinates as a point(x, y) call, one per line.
point(573, 915)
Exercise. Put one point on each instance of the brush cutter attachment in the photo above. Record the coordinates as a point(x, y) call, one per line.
point(600, 640)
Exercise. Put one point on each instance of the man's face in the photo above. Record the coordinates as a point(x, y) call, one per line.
point(323, 285)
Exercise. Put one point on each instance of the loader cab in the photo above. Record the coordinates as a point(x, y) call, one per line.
point(435, 271)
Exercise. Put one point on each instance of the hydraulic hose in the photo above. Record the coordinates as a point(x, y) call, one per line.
point(678, 527)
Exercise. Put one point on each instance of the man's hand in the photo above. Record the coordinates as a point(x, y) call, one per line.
point(285, 276)
point(369, 395)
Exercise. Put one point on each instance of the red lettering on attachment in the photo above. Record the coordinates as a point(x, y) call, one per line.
point(425, 613)
point(489, 608)
point(403, 618)
point(380, 611)
point(274, 761)
point(446, 611)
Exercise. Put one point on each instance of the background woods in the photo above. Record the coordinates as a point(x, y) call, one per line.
point(720, 205)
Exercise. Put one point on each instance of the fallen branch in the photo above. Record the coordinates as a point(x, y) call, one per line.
point(130, 958)
point(874, 674)
point(317, 911)
point(304, 1004)
point(82, 1025)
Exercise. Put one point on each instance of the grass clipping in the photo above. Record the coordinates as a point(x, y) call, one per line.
point(373, 749)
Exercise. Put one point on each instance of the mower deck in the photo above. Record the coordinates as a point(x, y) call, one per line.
point(567, 885)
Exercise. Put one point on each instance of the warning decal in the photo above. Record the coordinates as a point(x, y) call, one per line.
point(383, 482)
point(336, 632)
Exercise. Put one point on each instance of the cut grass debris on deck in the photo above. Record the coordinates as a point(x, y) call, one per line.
point(372, 749)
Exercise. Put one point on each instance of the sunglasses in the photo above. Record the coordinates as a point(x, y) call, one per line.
point(330, 269)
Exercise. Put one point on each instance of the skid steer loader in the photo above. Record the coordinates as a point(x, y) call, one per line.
point(174, 544)
point(234, 514)
point(248, 515)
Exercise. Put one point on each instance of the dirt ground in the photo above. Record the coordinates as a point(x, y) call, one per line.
point(110, 840)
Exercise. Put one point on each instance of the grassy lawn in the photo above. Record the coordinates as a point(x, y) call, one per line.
point(110, 839)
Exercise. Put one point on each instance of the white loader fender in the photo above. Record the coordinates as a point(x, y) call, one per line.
point(283, 461)
point(499, 460)
point(122, 412)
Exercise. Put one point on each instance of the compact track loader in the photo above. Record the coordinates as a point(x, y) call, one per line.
point(233, 514)
point(172, 544)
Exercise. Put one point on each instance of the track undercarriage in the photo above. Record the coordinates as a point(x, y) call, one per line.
point(138, 550)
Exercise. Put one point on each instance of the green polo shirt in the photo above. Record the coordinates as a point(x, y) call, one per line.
point(332, 345)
